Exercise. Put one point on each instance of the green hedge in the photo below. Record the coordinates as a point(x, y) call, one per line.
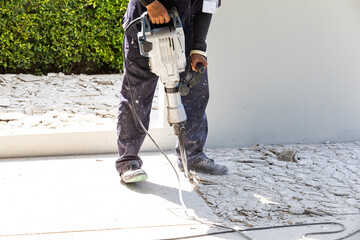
point(71, 36)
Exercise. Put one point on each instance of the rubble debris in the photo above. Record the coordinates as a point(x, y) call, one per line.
point(29, 77)
point(2, 81)
point(287, 156)
point(5, 102)
point(324, 183)
point(103, 81)
point(11, 116)
point(25, 96)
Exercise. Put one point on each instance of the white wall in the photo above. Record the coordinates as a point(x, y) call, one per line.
point(284, 71)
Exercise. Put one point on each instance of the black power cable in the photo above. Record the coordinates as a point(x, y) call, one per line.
point(231, 229)
point(305, 236)
point(350, 235)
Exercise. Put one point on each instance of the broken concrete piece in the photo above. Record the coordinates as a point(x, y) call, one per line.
point(28, 111)
point(29, 77)
point(32, 122)
point(11, 116)
point(34, 110)
point(256, 147)
point(287, 156)
point(38, 109)
point(5, 102)
point(103, 81)
point(8, 77)
point(102, 113)
point(339, 191)
point(52, 74)
point(2, 81)
point(296, 209)
point(61, 75)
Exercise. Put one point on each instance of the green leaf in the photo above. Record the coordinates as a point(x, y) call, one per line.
point(43, 35)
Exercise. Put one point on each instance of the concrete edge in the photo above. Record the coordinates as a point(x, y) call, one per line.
point(75, 142)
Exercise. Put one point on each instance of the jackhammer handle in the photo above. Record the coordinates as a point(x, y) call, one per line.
point(200, 67)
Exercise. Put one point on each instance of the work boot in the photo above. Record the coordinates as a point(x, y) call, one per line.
point(133, 174)
point(207, 165)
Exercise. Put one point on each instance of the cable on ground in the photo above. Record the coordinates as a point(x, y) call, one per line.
point(305, 236)
point(209, 223)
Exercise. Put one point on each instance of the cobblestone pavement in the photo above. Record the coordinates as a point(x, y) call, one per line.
point(284, 184)
point(57, 101)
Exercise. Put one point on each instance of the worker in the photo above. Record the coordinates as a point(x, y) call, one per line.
point(143, 82)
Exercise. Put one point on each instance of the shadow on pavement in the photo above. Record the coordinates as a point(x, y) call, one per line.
point(168, 193)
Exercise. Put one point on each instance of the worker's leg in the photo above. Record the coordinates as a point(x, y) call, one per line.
point(196, 130)
point(130, 136)
point(196, 125)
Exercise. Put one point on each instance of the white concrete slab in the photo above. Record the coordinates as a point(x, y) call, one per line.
point(81, 198)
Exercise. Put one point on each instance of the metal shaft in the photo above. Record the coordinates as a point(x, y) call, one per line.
point(179, 130)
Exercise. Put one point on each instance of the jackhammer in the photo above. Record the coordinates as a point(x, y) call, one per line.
point(165, 48)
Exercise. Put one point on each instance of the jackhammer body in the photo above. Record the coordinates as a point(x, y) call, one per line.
point(165, 48)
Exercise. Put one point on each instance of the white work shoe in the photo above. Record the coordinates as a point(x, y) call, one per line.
point(133, 174)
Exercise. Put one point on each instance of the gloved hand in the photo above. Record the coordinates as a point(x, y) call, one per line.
point(195, 58)
point(157, 13)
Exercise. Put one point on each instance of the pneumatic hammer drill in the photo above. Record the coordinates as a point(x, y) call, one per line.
point(165, 48)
